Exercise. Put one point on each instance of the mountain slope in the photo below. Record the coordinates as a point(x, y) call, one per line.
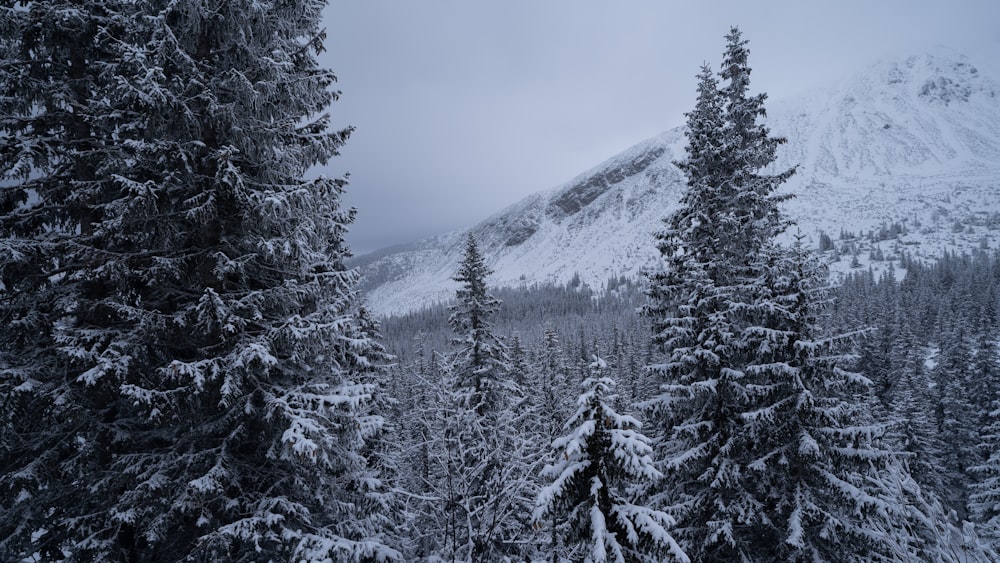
point(913, 142)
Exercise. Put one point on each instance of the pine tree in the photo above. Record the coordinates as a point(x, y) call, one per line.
point(480, 361)
point(379, 472)
point(957, 420)
point(553, 385)
point(711, 249)
point(827, 485)
point(58, 64)
point(483, 456)
point(984, 499)
point(520, 368)
point(769, 449)
point(985, 377)
point(914, 410)
point(554, 409)
point(177, 313)
point(594, 479)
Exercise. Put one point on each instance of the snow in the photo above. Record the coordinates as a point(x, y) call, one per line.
point(873, 149)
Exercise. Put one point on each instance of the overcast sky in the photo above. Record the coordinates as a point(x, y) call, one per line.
point(462, 107)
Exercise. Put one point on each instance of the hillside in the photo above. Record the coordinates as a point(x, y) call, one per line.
point(905, 155)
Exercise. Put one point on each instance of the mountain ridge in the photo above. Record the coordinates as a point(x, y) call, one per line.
point(913, 142)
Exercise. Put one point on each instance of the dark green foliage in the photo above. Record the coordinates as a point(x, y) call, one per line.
point(178, 323)
point(901, 313)
point(595, 469)
point(711, 248)
point(767, 439)
point(936, 340)
point(476, 434)
point(480, 362)
point(825, 242)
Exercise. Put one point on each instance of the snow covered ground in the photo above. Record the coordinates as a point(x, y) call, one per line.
point(911, 143)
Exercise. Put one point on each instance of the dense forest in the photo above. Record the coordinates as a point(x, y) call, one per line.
point(188, 371)
point(928, 343)
point(736, 404)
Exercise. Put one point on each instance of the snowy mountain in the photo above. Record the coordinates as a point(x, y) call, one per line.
point(905, 156)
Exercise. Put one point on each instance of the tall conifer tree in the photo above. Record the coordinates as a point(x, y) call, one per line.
point(480, 361)
point(598, 468)
point(58, 158)
point(483, 457)
point(984, 500)
point(958, 421)
point(177, 313)
point(699, 302)
point(757, 418)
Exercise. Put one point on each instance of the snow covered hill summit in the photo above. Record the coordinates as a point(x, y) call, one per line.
point(904, 156)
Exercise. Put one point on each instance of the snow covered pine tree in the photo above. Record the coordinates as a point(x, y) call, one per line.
point(709, 247)
point(767, 445)
point(600, 466)
point(488, 457)
point(56, 63)
point(183, 370)
point(984, 501)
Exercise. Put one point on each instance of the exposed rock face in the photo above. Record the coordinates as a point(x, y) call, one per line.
point(578, 196)
point(913, 143)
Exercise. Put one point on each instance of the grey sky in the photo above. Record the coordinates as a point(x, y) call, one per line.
point(464, 107)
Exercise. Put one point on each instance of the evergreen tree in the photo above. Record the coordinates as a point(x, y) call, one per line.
point(379, 472)
point(827, 487)
point(699, 301)
point(521, 370)
point(985, 376)
point(554, 409)
point(957, 420)
point(483, 456)
point(554, 385)
point(984, 500)
point(914, 411)
point(768, 447)
point(177, 314)
point(598, 465)
point(58, 67)
point(480, 362)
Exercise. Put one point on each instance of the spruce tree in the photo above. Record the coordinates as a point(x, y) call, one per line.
point(766, 439)
point(828, 487)
point(914, 411)
point(984, 500)
point(699, 302)
point(59, 65)
point(480, 361)
point(482, 452)
point(599, 467)
point(553, 406)
point(178, 319)
point(553, 386)
point(957, 420)
point(985, 376)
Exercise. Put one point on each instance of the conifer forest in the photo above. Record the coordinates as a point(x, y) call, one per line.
point(189, 371)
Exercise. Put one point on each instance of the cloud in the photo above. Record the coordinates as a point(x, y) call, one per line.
point(463, 107)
